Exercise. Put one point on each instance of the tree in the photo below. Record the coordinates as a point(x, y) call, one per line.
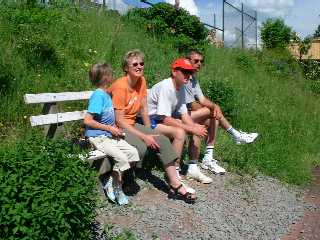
point(317, 32)
point(275, 33)
point(304, 46)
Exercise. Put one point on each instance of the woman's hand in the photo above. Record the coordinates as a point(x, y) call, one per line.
point(151, 141)
point(115, 131)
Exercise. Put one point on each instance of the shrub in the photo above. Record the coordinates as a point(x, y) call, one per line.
point(245, 62)
point(164, 20)
point(275, 34)
point(7, 77)
point(222, 94)
point(46, 191)
point(280, 63)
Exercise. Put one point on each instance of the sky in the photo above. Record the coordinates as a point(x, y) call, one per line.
point(301, 15)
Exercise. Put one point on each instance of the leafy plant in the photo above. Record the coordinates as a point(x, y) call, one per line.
point(47, 192)
point(275, 33)
point(163, 19)
point(221, 93)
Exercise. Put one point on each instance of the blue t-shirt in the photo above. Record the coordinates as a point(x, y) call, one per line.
point(100, 106)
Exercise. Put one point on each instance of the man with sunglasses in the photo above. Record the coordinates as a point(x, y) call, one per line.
point(204, 111)
point(169, 115)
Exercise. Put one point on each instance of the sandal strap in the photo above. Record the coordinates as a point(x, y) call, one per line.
point(176, 190)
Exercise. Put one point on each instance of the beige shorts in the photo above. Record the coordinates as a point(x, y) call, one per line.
point(121, 151)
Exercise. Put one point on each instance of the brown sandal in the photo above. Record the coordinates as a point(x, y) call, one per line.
point(176, 195)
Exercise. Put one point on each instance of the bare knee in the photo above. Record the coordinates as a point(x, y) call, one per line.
point(179, 134)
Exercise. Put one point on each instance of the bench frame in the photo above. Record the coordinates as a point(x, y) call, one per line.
point(52, 119)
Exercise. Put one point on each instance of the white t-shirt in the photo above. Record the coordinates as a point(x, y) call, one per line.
point(165, 100)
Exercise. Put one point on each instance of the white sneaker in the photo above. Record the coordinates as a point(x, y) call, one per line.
point(213, 166)
point(107, 185)
point(195, 173)
point(122, 199)
point(245, 138)
point(188, 188)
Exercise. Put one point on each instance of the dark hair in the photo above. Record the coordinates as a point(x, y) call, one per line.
point(98, 71)
point(192, 52)
point(130, 54)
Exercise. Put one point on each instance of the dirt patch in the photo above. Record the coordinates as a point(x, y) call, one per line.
point(309, 226)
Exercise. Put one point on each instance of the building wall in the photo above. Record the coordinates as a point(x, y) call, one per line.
point(313, 53)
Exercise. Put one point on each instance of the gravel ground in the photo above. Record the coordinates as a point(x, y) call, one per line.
point(232, 207)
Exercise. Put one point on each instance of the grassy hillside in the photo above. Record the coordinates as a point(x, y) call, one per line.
point(50, 50)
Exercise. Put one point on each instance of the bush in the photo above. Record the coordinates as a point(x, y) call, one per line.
point(222, 94)
point(275, 34)
point(46, 191)
point(245, 62)
point(280, 63)
point(164, 20)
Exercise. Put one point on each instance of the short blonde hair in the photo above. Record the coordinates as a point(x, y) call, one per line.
point(131, 54)
point(98, 71)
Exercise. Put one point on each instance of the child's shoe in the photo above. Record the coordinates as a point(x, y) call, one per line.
point(122, 199)
point(109, 190)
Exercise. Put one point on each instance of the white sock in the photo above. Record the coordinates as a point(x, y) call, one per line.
point(208, 154)
point(192, 165)
point(235, 133)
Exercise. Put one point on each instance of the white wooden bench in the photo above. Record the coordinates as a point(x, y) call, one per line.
point(51, 118)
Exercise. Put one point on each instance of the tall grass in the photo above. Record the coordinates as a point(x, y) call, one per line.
point(271, 99)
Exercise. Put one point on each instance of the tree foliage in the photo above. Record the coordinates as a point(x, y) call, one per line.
point(275, 33)
point(317, 32)
point(164, 19)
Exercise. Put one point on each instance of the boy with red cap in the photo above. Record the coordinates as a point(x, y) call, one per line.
point(169, 114)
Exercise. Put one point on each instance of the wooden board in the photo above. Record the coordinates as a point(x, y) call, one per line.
point(55, 118)
point(56, 97)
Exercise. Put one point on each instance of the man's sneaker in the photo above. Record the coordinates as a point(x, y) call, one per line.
point(188, 188)
point(245, 138)
point(107, 186)
point(122, 199)
point(195, 173)
point(213, 166)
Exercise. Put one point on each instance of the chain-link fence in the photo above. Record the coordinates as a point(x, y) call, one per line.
point(240, 26)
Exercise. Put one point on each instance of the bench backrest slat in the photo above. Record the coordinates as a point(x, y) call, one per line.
point(56, 97)
point(55, 118)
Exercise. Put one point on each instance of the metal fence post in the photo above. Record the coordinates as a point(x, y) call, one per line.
point(223, 22)
point(256, 16)
point(242, 30)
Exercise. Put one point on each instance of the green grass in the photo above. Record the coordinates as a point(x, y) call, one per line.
point(269, 98)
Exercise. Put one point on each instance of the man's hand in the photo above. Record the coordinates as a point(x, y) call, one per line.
point(151, 141)
point(199, 130)
point(216, 112)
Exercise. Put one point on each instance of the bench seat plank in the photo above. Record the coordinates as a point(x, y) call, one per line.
point(55, 118)
point(56, 97)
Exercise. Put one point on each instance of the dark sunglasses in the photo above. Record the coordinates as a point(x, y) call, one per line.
point(184, 71)
point(136, 64)
point(197, 60)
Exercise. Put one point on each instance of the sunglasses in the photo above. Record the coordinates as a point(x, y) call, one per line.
point(184, 71)
point(197, 61)
point(136, 64)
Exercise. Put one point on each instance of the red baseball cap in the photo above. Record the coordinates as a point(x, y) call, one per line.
point(182, 63)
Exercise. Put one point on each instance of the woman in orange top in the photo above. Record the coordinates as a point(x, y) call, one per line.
point(129, 97)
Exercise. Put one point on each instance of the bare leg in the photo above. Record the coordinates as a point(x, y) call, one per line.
point(177, 135)
point(174, 181)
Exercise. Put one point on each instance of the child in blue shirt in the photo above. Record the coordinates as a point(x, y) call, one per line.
point(104, 135)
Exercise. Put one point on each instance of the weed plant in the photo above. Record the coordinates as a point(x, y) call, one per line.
point(274, 101)
point(47, 192)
